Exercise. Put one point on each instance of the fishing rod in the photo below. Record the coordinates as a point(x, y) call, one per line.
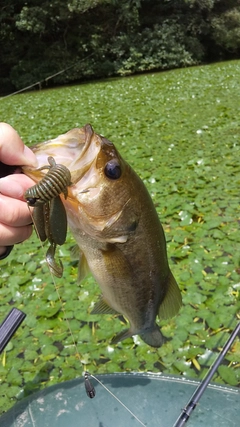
point(186, 412)
point(9, 326)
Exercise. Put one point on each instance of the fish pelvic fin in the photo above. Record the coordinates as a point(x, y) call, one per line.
point(102, 307)
point(83, 268)
point(153, 337)
point(74, 253)
point(172, 301)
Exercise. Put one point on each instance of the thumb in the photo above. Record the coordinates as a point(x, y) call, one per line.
point(12, 149)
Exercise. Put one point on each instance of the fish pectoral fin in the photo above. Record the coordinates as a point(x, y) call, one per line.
point(126, 333)
point(117, 264)
point(102, 307)
point(172, 301)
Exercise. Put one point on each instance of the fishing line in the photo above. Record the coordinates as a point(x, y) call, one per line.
point(58, 294)
point(39, 83)
point(90, 390)
point(115, 397)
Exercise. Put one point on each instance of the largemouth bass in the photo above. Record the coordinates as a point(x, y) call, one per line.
point(121, 240)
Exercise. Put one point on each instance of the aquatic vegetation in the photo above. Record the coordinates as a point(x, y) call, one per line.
point(180, 131)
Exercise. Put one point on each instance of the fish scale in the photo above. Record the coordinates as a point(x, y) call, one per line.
point(115, 224)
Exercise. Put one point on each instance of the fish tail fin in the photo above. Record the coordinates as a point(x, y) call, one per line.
point(172, 301)
point(153, 337)
point(126, 333)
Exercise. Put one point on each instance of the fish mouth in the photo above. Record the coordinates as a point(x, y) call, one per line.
point(77, 149)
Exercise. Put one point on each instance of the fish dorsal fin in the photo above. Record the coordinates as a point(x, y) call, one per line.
point(172, 301)
point(101, 307)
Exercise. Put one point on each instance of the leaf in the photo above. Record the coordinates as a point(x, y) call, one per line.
point(228, 375)
point(49, 311)
point(186, 218)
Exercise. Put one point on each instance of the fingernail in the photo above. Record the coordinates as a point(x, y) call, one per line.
point(30, 158)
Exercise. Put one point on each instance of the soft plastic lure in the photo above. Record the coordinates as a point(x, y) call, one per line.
point(49, 214)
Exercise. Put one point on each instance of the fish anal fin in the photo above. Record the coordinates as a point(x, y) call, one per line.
point(123, 335)
point(153, 337)
point(102, 307)
point(172, 301)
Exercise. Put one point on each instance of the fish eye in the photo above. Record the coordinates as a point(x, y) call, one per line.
point(112, 169)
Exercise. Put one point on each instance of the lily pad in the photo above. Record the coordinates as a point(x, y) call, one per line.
point(193, 178)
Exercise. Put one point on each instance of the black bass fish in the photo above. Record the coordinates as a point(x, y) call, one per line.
point(121, 240)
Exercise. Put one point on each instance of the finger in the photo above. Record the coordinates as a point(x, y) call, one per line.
point(12, 235)
point(13, 212)
point(12, 149)
point(15, 185)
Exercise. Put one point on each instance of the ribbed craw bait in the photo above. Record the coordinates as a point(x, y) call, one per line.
point(55, 182)
point(49, 214)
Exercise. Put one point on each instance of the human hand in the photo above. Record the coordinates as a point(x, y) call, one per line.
point(15, 218)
